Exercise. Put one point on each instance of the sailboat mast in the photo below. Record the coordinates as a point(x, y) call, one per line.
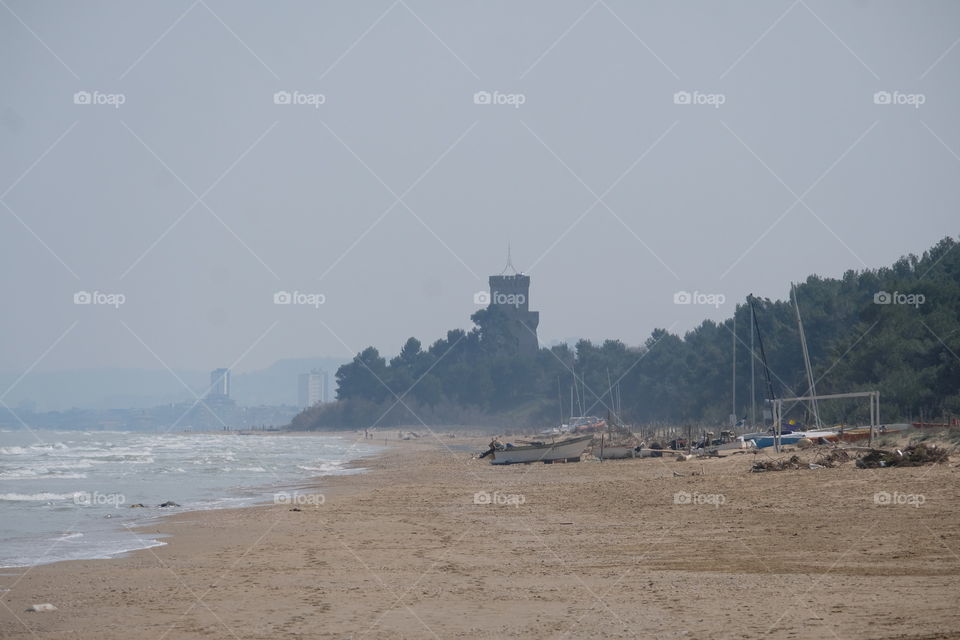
point(576, 388)
point(774, 405)
point(806, 359)
point(560, 398)
point(753, 379)
point(763, 355)
point(733, 376)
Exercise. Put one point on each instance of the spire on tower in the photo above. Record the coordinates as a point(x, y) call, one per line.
point(509, 263)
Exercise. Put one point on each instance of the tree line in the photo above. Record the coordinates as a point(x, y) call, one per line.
point(893, 329)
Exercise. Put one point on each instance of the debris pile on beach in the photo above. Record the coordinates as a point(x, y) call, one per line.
point(913, 456)
point(835, 457)
point(793, 462)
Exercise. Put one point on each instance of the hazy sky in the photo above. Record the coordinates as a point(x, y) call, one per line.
point(200, 197)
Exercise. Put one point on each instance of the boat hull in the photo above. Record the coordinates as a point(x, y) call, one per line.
point(764, 441)
point(570, 449)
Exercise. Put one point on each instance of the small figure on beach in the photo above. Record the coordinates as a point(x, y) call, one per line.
point(495, 445)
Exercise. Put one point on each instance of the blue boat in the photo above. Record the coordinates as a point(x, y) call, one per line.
point(763, 440)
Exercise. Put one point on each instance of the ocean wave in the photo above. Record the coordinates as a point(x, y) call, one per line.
point(33, 475)
point(116, 453)
point(13, 451)
point(324, 467)
point(46, 470)
point(35, 497)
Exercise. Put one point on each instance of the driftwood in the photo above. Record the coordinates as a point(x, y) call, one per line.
point(912, 456)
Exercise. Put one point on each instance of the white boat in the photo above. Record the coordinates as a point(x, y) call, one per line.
point(569, 450)
point(740, 442)
point(613, 452)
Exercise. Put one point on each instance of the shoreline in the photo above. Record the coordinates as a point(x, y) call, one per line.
point(175, 518)
point(594, 550)
point(153, 517)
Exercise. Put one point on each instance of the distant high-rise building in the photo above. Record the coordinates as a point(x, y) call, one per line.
point(220, 383)
point(312, 388)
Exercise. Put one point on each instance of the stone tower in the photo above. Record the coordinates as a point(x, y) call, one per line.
point(510, 293)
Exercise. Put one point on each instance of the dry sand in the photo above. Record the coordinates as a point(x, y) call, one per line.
point(607, 549)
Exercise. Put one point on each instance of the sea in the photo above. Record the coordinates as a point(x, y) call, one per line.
point(67, 495)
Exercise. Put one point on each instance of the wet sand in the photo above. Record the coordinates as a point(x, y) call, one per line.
point(617, 549)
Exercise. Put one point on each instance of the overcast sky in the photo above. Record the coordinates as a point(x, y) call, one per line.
point(189, 187)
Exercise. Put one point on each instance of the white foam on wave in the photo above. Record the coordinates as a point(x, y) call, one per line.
point(117, 452)
point(43, 446)
point(35, 497)
point(13, 451)
point(46, 470)
point(323, 467)
point(30, 474)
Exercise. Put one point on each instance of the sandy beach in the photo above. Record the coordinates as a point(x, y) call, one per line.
point(432, 543)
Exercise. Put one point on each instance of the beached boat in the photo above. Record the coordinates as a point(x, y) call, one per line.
point(820, 436)
point(569, 450)
point(738, 443)
point(768, 439)
point(764, 440)
point(852, 434)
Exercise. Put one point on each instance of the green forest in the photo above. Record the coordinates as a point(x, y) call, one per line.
point(893, 329)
